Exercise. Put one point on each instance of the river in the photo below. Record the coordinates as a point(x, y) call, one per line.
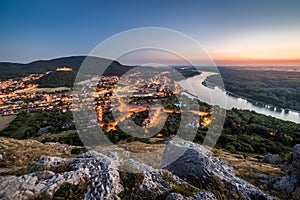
point(217, 96)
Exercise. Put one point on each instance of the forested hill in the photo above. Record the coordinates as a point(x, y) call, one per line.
point(11, 70)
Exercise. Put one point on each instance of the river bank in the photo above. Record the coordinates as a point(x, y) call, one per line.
point(227, 100)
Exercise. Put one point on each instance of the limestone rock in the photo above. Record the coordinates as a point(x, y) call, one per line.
point(286, 183)
point(295, 168)
point(49, 163)
point(92, 165)
point(291, 181)
point(104, 181)
point(198, 163)
point(272, 159)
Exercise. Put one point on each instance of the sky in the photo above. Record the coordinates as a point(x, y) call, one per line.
point(256, 32)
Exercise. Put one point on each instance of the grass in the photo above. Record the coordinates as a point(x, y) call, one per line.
point(167, 176)
point(20, 155)
point(249, 166)
point(184, 189)
point(55, 136)
point(19, 133)
point(68, 191)
point(131, 182)
point(5, 120)
point(221, 190)
point(139, 147)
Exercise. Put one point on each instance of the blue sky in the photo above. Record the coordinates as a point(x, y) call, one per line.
point(229, 30)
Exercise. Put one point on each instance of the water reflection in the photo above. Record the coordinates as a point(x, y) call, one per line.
point(216, 96)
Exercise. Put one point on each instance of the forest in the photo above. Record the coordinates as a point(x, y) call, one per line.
point(277, 88)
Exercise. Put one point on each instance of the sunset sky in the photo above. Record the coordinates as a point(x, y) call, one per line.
point(256, 32)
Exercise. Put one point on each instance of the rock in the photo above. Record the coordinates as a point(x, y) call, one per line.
point(153, 178)
point(104, 180)
point(49, 163)
point(86, 166)
point(204, 195)
point(296, 193)
point(197, 163)
point(272, 159)
point(290, 182)
point(295, 166)
point(286, 184)
point(106, 185)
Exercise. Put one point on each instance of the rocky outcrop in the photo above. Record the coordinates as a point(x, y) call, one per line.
point(91, 165)
point(286, 184)
point(272, 159)
point(295, 166)
point(290, 183)
point(198, 164)
point(100, 170)
point(104, 175)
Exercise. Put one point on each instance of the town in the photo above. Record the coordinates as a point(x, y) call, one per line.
point(134, 97)
point(23, 95)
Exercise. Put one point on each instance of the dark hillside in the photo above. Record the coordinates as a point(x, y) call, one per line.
point(11, 70)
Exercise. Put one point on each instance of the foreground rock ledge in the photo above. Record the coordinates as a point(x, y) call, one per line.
point(104, 179)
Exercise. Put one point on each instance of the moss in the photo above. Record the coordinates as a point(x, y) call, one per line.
point(78, 150)
point(184, 189)
point(131, 182)
point(215, 185)
point(167, 176)
point(70, 191)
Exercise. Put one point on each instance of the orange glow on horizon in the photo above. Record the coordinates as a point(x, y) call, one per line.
point(256, 61)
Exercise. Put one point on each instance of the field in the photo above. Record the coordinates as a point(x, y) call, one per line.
point(5, 120)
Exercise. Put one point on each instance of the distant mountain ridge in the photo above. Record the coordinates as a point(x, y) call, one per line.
point(12, 70)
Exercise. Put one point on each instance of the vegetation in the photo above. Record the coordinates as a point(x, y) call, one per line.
point(5, 120)
point(278, 88)
point(68, 137)
point(70, 191)
point(251, 169)
point(250, 132)
point(27, 125)
point(57, 79)
point(13, 70)
point(131, 182)
point(20, 155)
point(243, 131)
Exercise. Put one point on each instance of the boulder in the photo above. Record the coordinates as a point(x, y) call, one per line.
point(286, 184)
point(290, 183)
point(295, 166)
point(272, 159)
point(101, 173)
point(198, 164)
point(92, 165)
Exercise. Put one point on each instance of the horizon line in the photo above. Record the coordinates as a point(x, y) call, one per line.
point(223, 62)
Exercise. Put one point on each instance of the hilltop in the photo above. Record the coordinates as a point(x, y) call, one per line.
point(12, 70)
point(58, 171)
